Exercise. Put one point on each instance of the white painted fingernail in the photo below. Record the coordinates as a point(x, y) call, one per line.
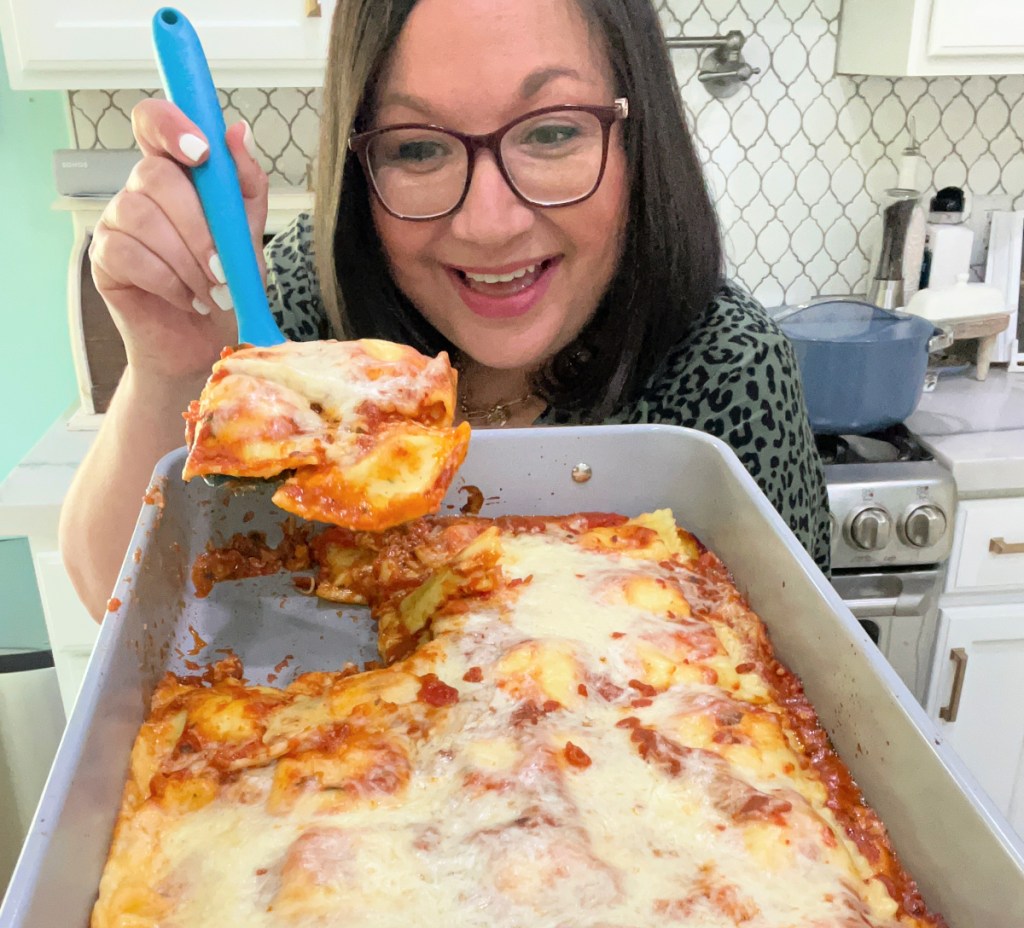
point(217, 269)
point(249, 141)
point(200, 307)
point(192, 147)
point(222, 297)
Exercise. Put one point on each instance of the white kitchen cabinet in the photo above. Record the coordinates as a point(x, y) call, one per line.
point(977, 696)
point(988, 550)
point(980, 640)
point(67, 44)
point(931, 37)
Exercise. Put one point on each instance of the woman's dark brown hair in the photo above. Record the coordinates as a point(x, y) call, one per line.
point(671, 257)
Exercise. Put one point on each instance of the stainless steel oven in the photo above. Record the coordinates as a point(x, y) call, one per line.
point(900, 611)
point(892, 509)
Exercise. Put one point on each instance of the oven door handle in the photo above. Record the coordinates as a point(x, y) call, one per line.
point(878, 606)
point(908, 603)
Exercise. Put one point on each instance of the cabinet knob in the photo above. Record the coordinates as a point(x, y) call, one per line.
point(871, 529)
point(313, 8)
point(925, 526)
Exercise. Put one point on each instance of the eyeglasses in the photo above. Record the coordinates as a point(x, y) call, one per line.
point(551, 157)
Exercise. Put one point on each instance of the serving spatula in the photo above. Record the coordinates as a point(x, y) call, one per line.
point(189, 86)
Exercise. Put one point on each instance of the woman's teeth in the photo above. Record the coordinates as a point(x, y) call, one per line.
point(500, 278)
point(504, 284)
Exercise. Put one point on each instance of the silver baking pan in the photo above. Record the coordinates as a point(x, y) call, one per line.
point(967, 860)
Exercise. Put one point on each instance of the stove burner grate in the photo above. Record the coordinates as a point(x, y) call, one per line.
point(891, 444)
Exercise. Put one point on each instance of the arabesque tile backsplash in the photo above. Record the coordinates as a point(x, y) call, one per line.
point(797, 161)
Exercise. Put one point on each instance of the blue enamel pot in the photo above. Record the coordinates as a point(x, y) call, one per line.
point(862, 367)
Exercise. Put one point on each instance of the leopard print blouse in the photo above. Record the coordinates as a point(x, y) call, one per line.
point(734, 377)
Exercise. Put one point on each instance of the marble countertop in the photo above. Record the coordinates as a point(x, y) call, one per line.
point(976, 428)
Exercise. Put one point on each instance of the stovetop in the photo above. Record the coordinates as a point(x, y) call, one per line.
point(892, 504)
point(885, 447)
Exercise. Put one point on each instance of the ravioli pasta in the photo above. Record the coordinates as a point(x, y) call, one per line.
point(362, 431)
point(579, 722)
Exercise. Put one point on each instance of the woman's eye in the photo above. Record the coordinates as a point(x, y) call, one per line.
point(412, 154)
point(418, 152)
point(550, 135)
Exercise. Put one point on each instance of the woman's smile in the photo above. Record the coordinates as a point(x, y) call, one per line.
point(509, 283)
point(504, 292)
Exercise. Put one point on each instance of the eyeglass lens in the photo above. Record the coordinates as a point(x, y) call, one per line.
point(552, 158)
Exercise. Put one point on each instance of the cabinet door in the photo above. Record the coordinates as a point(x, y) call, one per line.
point(931, 37)
point(976, 27)
point(108, 44)
point(988, 549)
point(987, 730)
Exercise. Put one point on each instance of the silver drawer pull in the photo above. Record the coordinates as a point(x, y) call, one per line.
point(1002, 546)
point(959, 657)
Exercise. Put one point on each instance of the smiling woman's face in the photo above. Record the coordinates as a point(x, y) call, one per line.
point(473, 66)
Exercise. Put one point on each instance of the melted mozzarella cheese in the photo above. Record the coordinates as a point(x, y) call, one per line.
point(576, 781)
point(341, 376)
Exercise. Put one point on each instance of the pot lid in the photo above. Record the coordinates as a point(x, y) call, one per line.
point(850, 321)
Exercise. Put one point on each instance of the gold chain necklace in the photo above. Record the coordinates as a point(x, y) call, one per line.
point(496, 415)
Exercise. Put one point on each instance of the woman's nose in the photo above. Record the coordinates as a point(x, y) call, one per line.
point(491, 213)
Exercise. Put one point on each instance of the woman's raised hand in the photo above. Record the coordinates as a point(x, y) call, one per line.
point(153, 260)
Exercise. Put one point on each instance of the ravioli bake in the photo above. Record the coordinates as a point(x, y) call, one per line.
point(578, 722)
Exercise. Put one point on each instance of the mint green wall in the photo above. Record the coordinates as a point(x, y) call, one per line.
point(37, 380)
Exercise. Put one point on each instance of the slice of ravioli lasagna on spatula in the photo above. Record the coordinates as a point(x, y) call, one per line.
point(362, 432)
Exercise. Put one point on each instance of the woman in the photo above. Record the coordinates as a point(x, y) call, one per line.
point(569, 262)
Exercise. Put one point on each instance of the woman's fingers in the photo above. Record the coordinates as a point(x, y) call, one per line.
point(161, 128)
point(170, 143)
point(139, 217)
point(168, 189)
point(120, 262)
point(146, 298)
point(153, 257)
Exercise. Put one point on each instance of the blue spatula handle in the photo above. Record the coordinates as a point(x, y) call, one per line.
point(188, 84)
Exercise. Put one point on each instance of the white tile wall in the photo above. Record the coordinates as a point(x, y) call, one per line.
point(284, 120)
point(796, 162)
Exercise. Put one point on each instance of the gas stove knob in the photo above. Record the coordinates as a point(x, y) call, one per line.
point(924, 526)
point(871, 529)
